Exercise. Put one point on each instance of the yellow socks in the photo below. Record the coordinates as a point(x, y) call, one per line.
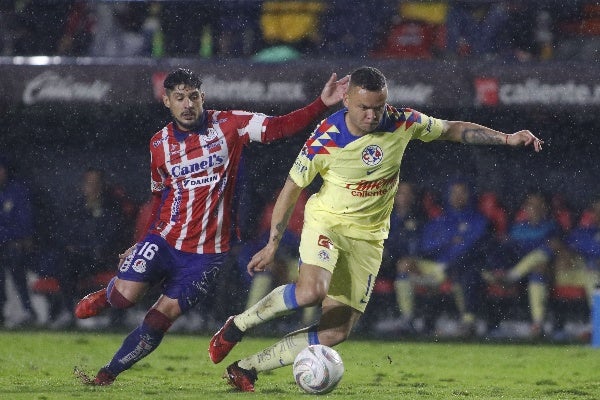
point(281, 301)
point(278, 355)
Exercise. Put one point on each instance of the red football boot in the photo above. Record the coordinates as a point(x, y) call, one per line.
point(218, 347)
point(92, 304)
point(103, 378)
point(240, 378)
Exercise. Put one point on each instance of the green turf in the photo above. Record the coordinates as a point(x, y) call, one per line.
point(39, 365)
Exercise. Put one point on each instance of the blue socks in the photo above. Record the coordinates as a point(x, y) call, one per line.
point(140, 342)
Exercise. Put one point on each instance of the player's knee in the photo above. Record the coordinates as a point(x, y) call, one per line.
point(157, 320)
point(310, 295)
point(117, 300)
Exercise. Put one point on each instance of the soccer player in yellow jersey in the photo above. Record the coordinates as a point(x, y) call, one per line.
point(357, 151)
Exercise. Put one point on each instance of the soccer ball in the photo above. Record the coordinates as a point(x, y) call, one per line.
point(318, 369)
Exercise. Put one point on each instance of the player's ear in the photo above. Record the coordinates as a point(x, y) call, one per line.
point(166, 101)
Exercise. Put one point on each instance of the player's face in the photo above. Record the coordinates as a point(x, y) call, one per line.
point(365, 109)
point(186, 105)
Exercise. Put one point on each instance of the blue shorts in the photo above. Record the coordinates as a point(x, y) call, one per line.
point(187, 277)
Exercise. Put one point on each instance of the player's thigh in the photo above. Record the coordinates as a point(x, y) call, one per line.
point(355, 272)
point(147, 261)
point(131, 290)
point(312, 283)
point(192, 277)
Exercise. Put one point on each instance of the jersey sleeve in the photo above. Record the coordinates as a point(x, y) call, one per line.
point(426, 128)
point(294, 122)
point(157, 184)
point(306, 165)
point(251, 125)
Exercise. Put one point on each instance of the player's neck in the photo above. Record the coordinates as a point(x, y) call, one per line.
point(353, 129)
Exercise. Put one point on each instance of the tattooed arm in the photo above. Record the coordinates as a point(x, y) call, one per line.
point(284, 207)
point(471, 133)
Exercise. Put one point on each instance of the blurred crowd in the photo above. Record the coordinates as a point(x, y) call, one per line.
point(457, 263)
point(491, 266)
point(278, 30)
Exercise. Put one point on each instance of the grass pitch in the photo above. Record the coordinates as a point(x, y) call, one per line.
point(39, 366)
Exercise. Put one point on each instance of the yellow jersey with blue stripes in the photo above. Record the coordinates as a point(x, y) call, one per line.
point(360, 173)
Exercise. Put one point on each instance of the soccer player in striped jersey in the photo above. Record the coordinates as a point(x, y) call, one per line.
point(357, 151)
point(194, 162)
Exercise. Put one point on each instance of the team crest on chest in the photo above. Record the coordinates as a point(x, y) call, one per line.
point(210, 140)
point(174, 148)
point(211, 134)
point(372, 155)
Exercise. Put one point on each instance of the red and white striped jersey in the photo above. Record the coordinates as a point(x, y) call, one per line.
point(195, 174)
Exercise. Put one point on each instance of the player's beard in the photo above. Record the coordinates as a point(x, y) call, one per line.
point(188, 124)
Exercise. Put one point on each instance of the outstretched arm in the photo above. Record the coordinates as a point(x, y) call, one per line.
point(298, 120)
point(471, 133)
point(284, 207)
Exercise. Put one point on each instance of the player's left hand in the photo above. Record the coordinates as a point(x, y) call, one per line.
point(334, 90)
point(525, 138)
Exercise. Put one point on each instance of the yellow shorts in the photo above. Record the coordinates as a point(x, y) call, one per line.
point(353, 263)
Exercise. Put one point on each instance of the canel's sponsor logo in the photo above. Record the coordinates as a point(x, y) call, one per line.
point(196, 165)
point(50, 86)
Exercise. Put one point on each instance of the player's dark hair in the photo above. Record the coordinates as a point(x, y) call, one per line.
point(182, 76)
point(368, 78)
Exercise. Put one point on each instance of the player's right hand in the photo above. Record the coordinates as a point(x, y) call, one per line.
point(262, 260)
point(525, 138)
point(126, 254)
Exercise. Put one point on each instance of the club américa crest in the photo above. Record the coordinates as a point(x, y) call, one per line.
point(372, 155)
